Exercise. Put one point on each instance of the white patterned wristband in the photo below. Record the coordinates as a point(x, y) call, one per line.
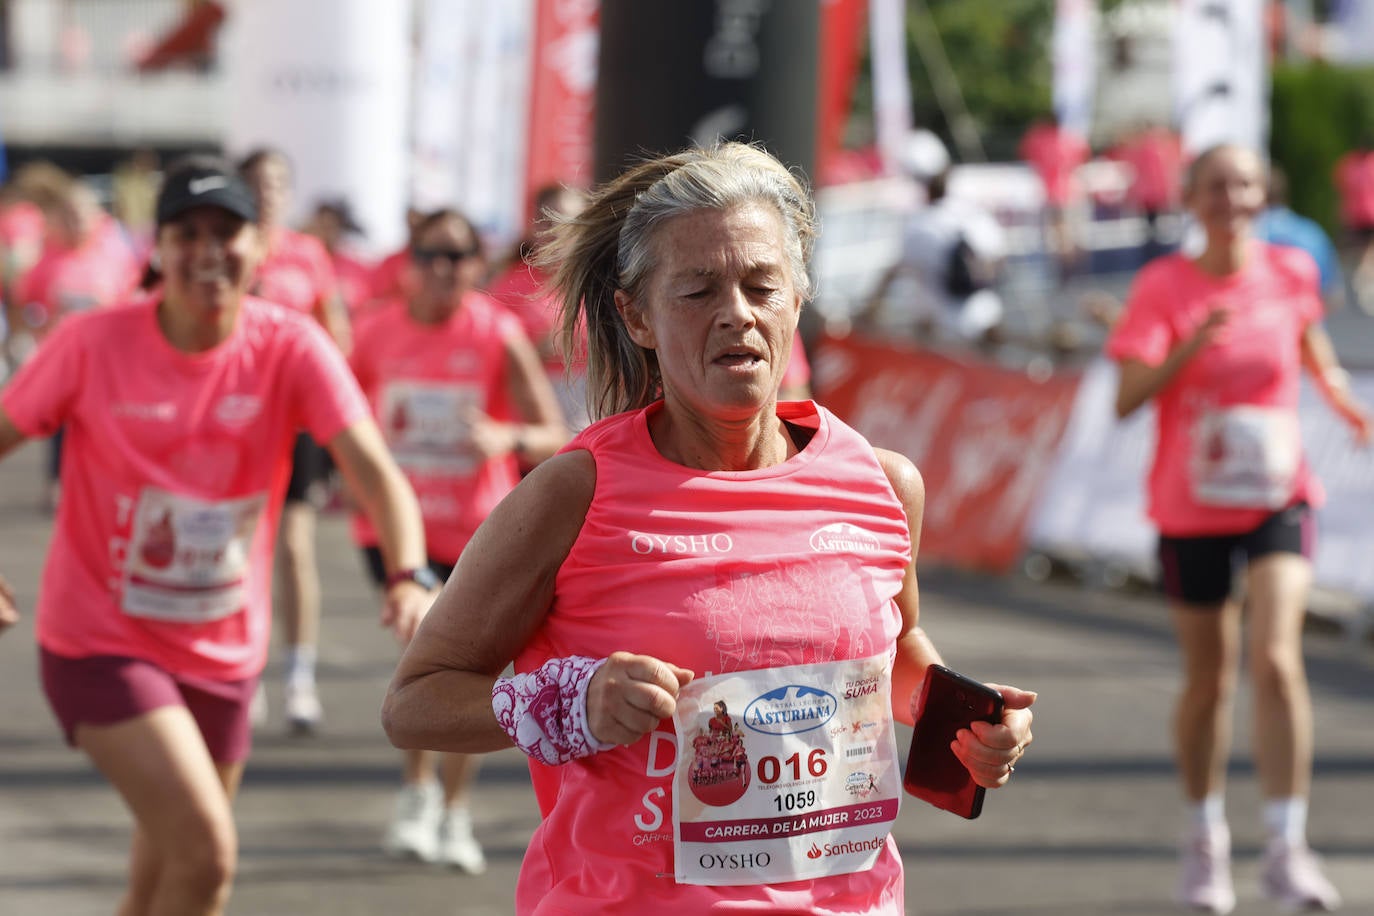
point(545, 711)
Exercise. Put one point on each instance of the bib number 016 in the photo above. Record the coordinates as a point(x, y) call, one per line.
point(771, 769)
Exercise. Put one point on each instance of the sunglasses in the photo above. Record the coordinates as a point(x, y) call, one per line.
point(454, 256)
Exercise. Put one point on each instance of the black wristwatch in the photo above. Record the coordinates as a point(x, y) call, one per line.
point(422, 576)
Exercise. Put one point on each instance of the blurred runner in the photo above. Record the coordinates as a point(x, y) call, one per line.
point(333, 223)
point(1218, 342)
point(460, 396)
point(296, 272)
point(1055, 152)
point(153, 615)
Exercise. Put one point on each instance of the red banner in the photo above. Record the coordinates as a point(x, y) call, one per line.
point(842, 39)
point(983, 437)
point(562, 94)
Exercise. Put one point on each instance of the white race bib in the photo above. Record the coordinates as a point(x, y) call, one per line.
point(1245, 457)
point(426, 425)
point(188, 558)
point(784, 774)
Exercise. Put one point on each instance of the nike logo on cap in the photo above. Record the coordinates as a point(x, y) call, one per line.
point(208, 183)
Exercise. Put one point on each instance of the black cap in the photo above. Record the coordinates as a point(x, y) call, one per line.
point(204, 183)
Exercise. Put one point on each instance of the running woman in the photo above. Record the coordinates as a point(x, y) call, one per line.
point(1218, 342)
point(461, 397)
point(700, 543)
point(154, 611)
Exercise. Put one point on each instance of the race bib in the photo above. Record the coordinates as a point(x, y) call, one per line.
point(1245, 457)
point(188, 558)
point(784, 774)
point(426, 425)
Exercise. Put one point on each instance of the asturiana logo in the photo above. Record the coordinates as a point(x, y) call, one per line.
point(843, 537)
point(790, 710)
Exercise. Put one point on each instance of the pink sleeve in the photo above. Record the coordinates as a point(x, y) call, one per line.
point(1306, 276)
point(42, 393)
point(1142, 333)
point(327, 395)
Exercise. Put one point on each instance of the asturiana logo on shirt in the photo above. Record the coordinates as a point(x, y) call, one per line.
point(681, 544)
point(790, 710)
point(846, 538)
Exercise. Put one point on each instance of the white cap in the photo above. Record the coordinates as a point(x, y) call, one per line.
point(923, 155)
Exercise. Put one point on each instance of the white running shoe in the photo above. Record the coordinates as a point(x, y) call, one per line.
point(457, 846)
point(1292, 877)
point(1204, 881)
point(302, 706)
point(414, 829)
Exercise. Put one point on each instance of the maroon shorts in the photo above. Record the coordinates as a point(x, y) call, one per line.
point(106, 689)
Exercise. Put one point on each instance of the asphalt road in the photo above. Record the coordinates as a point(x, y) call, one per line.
point(1087, 827)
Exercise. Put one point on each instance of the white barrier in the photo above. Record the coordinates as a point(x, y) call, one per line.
point(1093, 507)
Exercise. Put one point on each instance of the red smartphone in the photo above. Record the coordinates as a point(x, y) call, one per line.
point(948, 702)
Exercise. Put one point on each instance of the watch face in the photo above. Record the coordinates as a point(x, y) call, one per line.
point(425, 577)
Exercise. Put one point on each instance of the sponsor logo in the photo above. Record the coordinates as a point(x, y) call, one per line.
point(680, 544)
point(736, 861)
point(843, 537)
point(200, 186)
point(237, 409)
point(164, 412)
point(861, 784)
point(790, 710)
point(862, 687)
point(845, 849)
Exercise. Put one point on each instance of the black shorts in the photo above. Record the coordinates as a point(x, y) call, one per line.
point(1199, 570)
point(310, 468)
point(376, 569)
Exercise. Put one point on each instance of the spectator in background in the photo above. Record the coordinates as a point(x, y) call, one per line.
point(1278, 225)
point(462, 400)
point(523, 288)
point(1218, 342)
point(953, 249)
point(295, 272)
point(1155, 156)
point(1055, 152)
point(333, 223)
point(1354, 178)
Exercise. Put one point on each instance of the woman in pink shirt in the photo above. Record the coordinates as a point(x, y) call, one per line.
point(701, 542)
point(1217, 342)
point(295, 272)
point(461, 397)
point(154, 609)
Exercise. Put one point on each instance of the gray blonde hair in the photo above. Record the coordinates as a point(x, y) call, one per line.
point(609, 246)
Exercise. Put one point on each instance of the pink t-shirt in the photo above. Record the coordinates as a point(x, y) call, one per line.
point(176, 466)
point(392, 277)
point(717, 572)
point(1254, 362)
point(1054, 153)
point(421, 380)
point(1156, 156)
point(296, 273)
point(354, 277)
point(1355, 182)
point(66, 281)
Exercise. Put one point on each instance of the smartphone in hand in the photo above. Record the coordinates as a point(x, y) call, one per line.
point(948, 702)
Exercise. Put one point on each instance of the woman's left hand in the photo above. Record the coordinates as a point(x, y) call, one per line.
point(990, 751)
point(490, 438)
point(405, 605)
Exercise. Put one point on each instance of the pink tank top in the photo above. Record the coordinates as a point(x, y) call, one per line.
point(718, 572)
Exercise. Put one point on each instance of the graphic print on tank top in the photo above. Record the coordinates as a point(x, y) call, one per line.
point(767, 614)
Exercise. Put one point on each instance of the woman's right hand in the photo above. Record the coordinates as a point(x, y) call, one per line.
point(630, 694)
point(1211, 326)
point(9, 614)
